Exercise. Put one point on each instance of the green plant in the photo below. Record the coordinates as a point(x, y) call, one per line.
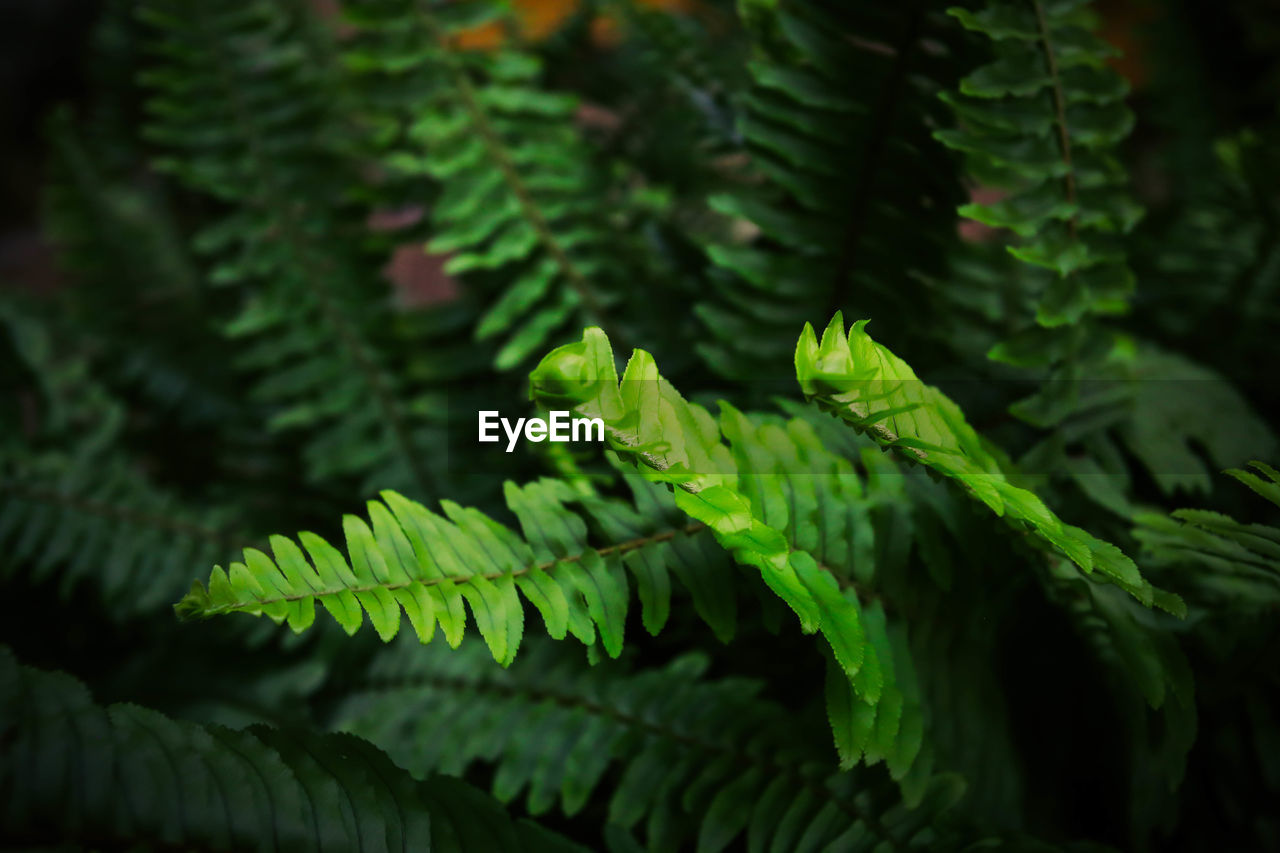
point(810, 592)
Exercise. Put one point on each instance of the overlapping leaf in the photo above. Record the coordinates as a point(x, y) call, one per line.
point(242, 105)
point(866, 385)
point(765, 518)
point(77, 772)
point(853, 199)
point(676, 753)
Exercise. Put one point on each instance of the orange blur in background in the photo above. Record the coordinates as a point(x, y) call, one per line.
point(538, 19)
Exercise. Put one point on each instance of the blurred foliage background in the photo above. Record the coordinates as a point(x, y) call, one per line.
point(219, 322)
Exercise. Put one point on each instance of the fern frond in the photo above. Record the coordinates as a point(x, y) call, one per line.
point(76, 506)
point(673, 80)
point(683, 754)
point(104, 524)
point(414, 560)
point(1243, 559)
point(1041, 123)
point(243, 113)
point(137, 294)
point(1180, 407)
point(522, 198)
point(1215, 266)
point(672, 441)
point(77, 772)
point(864, 384)
point(739, 495)
point(837, 122)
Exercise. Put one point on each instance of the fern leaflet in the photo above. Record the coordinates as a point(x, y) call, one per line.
point(689, 752)
point(864, 384)
point(111, 775)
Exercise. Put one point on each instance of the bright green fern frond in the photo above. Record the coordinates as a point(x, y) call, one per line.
point(524, 209)
point(673, 441)
point(856, 198)
point(682, 754)
point(414, 560)
point(769, 516)
point(864, 384)
point(77, 772)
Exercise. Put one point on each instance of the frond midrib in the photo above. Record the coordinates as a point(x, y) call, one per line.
point(620, 548)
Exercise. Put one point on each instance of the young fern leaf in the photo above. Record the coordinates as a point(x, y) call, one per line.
point(1041, 123)
point(867, 386)
point(761, 517)
point(127, 776)
point(521, 193)
point(675, 442)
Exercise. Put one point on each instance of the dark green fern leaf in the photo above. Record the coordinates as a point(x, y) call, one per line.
point(76, 506)
point(242, 110)
point(854, 201)
point(691, 753)
point(523, 200)
point(76, 772)
point(1041, 124)
point(1242, 560)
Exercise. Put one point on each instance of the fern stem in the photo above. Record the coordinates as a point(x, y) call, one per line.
point(1060, 112)
point(690, 529)
point(620, 548)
